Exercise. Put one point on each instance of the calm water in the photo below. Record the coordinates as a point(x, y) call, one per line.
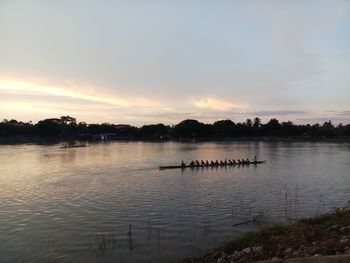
point(75, 205)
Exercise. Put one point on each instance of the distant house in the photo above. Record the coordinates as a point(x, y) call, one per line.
point(104, 136)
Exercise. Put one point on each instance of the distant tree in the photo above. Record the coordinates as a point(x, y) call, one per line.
point(191, 129)
point(156, 131)
point(272, 127)
point(82, 127)
point(327, 129)
point(346, 130)
point(289, 129)
point(224, 128)
point(249, 123)
point(49, 127)
point(256, 126)
point(256, 123)
point(67, 120)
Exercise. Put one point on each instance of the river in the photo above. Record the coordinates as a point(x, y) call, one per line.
point(77, 204)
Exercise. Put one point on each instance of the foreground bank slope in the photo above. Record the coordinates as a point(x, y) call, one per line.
point(328, 234)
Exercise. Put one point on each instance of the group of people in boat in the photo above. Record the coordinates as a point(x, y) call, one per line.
point(197, 163)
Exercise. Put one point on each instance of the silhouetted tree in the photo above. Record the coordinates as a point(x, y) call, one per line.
point(50, 127)
point(157, 131)
point(191, 129)
point(224, 128)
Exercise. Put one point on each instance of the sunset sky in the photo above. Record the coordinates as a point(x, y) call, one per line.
point(143, 62)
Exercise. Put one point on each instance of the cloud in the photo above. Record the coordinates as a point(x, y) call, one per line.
point(215, 104)
point(344, 113)
point(276, 113)
point(28, 88)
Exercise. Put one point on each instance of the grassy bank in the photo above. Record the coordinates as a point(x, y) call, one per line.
point(328, 234)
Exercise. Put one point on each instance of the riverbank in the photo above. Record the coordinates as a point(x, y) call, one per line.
point(328, 234)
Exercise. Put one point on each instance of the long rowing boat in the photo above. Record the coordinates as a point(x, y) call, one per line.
point(203, 166)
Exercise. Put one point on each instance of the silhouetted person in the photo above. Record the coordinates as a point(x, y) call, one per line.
point(183, 164)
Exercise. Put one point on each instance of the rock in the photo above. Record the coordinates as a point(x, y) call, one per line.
point(237, 253)
point(221, 260)
point(344, 240)
point(288, 250)
point(258, 249)
point(295, 253)
point(317, 255)
point(276, 259)
point(334, 227)
point(247, 250)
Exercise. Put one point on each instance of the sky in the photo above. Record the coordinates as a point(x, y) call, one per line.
point(145, 62)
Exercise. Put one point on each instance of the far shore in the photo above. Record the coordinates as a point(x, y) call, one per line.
point(55, 140)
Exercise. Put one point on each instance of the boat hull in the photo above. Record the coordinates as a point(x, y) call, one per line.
point(204, 166)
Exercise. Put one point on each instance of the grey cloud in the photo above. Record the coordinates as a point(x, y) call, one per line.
point(344, 113)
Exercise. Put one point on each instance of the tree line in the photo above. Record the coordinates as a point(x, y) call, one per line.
point(68, 127)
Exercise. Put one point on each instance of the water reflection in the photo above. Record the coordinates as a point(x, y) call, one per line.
point(107, 245)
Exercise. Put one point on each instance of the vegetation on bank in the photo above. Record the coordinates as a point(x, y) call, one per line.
point(328, 234)
point(68, 127)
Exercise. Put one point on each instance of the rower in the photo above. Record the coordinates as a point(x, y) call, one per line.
point(239, 161)
point(206, 163)
point(202, 163)
point(230, 162)
point(183, 164)
point(234, 161)
point(225, 162)
point(212, 163)
point(197, 163)
point(216, 162)
point(192, 163)
point(255, 160)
